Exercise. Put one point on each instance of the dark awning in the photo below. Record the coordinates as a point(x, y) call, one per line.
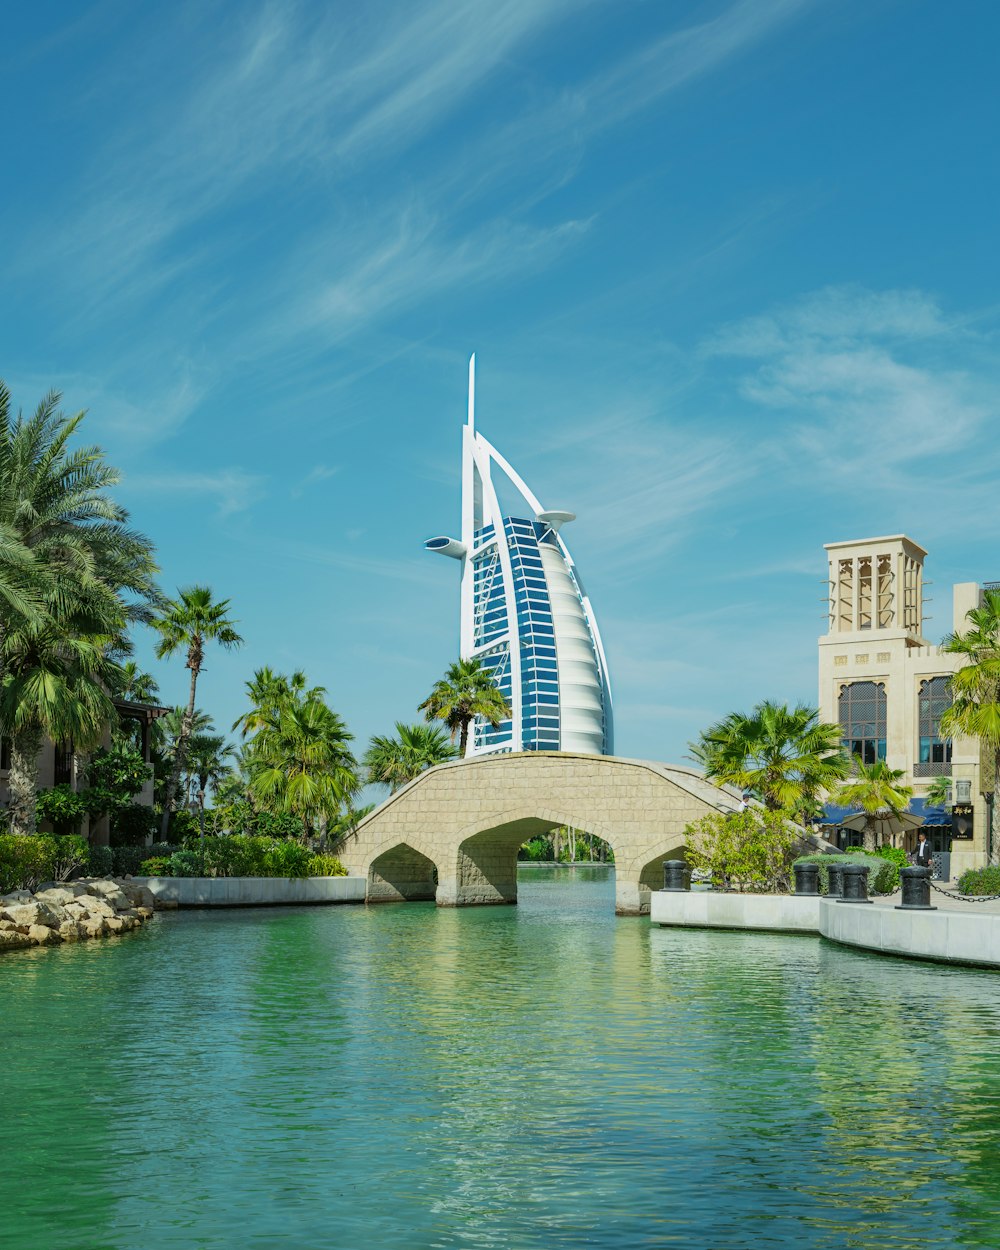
point(932, 816)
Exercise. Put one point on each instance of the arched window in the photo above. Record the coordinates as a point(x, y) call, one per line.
point(935, 751)
point(861, 708)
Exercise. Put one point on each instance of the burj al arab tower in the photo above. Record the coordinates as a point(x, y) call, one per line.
point(524, 612)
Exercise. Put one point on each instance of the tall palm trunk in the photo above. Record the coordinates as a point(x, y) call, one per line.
point(869, 842)
point(201, 827)
point(180, 755)
point(994, 855)
point(23, 781)
point(463, 739)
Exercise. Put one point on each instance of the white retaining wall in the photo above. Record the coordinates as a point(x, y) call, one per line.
point(943, 936)
point(780, 913)
point(255, 891)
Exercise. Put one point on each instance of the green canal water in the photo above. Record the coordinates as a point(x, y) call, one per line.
point(538, 1076)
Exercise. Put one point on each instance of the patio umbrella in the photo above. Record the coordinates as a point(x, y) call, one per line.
point(887, 824)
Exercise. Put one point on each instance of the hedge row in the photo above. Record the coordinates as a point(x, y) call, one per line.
point(243, 856)
point(980, 880)
point(24, 862)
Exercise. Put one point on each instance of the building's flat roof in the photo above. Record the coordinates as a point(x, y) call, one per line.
point(871, 542)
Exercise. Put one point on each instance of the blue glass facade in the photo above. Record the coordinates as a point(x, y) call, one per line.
point(535, 635)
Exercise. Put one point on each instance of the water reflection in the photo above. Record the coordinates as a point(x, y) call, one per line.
point(536, 1076)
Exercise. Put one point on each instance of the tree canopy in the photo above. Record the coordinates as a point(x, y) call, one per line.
point(975, 688)
point(394, 761)
point(785, 756)
point(467, 690)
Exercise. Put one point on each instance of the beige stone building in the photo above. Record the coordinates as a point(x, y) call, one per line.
point(886, 684)
point(59, 763)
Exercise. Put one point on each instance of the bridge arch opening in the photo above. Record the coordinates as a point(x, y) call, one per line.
point(566, 845)
point(402, 874)
point(486, 869)
point(651, 874)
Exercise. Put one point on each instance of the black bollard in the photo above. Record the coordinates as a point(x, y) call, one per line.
point(855, 888)
point(675, 875)
point(806, 878)
point(916, 883)
point(834, 881)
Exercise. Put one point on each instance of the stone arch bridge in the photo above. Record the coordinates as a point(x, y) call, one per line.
point(453, 833)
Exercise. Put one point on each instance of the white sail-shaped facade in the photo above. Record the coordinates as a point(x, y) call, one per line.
point(525, 615)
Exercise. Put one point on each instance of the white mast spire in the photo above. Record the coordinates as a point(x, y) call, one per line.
point(472, 391)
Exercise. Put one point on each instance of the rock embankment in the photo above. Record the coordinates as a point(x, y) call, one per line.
point(72, 911)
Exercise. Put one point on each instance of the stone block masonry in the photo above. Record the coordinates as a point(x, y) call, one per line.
point(465, 821)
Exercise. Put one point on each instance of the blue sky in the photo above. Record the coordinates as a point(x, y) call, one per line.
point(730, 271)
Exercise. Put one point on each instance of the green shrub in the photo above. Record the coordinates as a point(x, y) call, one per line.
point(183, 827)
point(748, 851)
point(71, 856)
point(239, 818)
point(536, 850)
point(62, 807)
point(980, 880)
point(238, 856)
point(185, 863)
point(24, 862)
point(883, 880)
point(133, 826)
point(126, 861)
point(100, 862)
point(156, 866)
point(243, 856)
point(326, 866)
point(285, 858)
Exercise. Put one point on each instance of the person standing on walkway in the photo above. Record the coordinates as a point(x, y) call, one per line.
point(923, 856)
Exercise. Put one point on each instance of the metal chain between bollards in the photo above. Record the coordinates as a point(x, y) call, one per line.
point(965, 898)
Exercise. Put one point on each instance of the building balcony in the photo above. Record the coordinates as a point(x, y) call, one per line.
point(930, 769)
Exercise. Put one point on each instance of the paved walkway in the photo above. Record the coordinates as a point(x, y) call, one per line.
point(944, 903)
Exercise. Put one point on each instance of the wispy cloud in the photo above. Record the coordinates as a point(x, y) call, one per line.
point(228, 490)
point(292, 96)
point(320, 473)
point(413, 259)
point(872, 381)
point(543, 145)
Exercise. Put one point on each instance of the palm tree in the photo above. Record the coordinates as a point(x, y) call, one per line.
point(54, 504)
point(975, 690)
point(875, 790)
point(466, 691)
point(300, 762)
point(73, 576)
point(784, 756)
point(208, 758)
point(187, 623)
point(938, 792)
point(267, 691)
point(54, 685)
point(168, 728)
point(338, 828)
point(702, 754)
point(133, 685)
point(395, 761)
